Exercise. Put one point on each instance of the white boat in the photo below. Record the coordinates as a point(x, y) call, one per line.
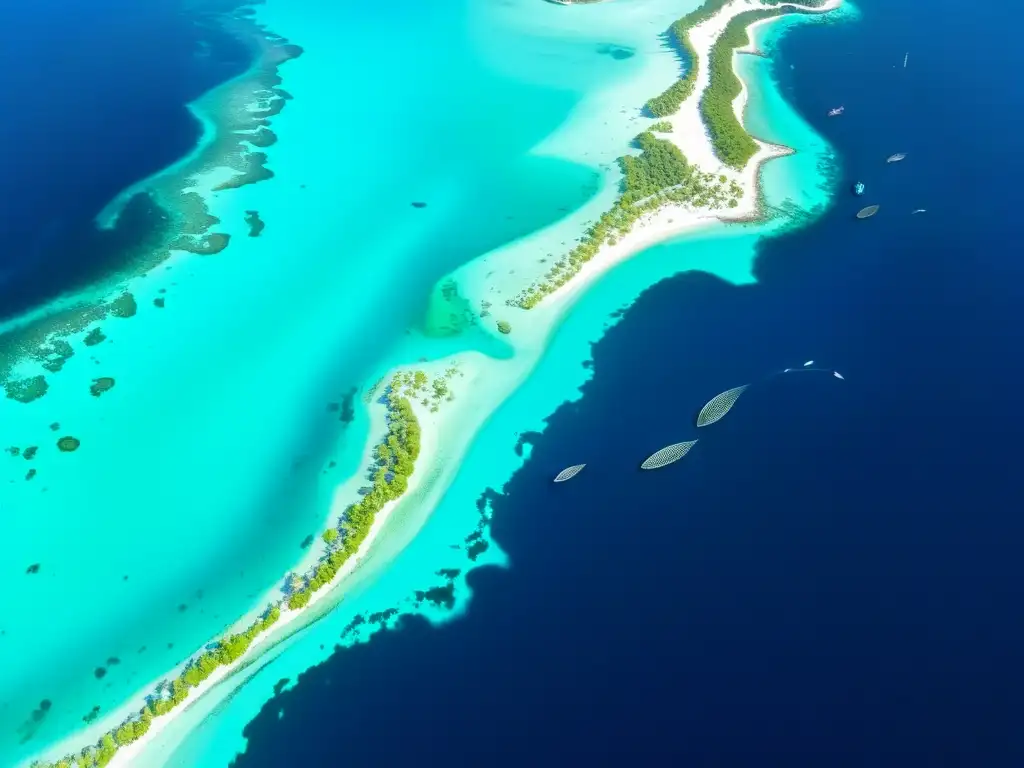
point(896, 158)
point(569, 473)
point(836, 111)
point(918, 210)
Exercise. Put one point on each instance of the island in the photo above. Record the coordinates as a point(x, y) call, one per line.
point(701, 113)
point(692, 162)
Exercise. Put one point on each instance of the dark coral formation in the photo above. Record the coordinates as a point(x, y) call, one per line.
point(159, 302)
point(26, 390)
point(123, 306)
point(208, 244)
point(256, 224)
point(348, 411)
point(94, 337)
point(439, 596)
point(55, 354)
point(34, 568)
point(241, 109)
point(68, 443)
point(101, 385)
point(262, 137)
point(30, 452)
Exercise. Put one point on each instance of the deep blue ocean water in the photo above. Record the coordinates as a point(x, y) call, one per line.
point(831, 577)
point(95, 97)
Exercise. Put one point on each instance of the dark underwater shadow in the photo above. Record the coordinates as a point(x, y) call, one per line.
point(828, 578)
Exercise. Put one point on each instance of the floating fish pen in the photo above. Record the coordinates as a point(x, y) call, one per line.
point(866, 213)
point(668, 455)
point(569, 473)
point(719, 405)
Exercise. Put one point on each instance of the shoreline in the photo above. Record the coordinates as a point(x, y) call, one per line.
point(274, 597)
point(666, 223)
point(690, 134)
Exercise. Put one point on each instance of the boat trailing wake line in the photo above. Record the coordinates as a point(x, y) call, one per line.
point(569, 473)
point(719, 405)
point(668, 455)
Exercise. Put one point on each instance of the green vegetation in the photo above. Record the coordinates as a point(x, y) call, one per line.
point(504, 327)
point(662, 126)
point(658, 176)
point(729, 139)
point(668, 103)
point(396, 462)
point(396, 458)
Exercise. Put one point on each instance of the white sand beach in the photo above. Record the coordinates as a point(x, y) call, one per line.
point(482, 383)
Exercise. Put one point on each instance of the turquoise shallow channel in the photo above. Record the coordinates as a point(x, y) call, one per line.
point(238, 398)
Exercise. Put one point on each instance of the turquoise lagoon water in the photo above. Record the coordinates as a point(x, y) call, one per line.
point(211, 732)
point(204, 468)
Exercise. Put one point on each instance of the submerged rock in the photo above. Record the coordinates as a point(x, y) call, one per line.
point(159, 302)
point(419, 204)
point(256, 224)
point(101, 385)
point(26, 390)
point(68, 443)
point(30, 452)
point(34, 568)
point(123, 306)
point(94, 337)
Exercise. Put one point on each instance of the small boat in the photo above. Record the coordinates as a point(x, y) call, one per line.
point(569, 473)
point(918, 210)
point(896, 158)
point(865, 213)
point(858, 188)
point(668, 455)
point(907, 56)
point(838, 375)
point(836, 111)
point(808, 364)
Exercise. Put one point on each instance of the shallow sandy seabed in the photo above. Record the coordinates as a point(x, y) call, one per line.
point(483, 383)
